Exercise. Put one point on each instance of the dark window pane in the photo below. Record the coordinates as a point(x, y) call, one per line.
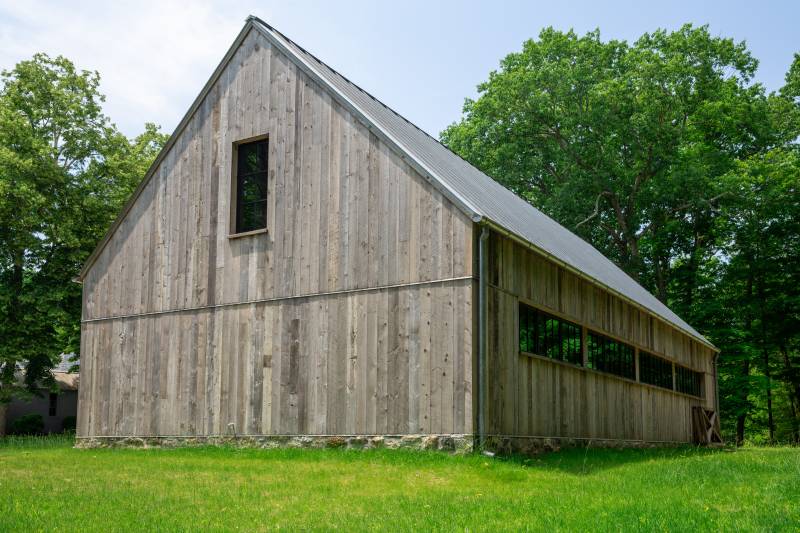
point(251, 187)
point(688, 381)
point(53, 407)
point(655, 370)
point(253, 216)
point(609, 355)
point(252, 157)
point(544, 334)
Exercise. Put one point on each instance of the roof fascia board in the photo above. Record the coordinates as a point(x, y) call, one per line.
point(550, 257)
point(276, 38)
point(249, 25)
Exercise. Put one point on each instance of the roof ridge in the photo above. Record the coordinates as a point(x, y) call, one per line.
point(479, 196)
point(348, 80)
point(490, 200)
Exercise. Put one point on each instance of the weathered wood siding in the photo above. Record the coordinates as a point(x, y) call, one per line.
point(169, 349)
point(389, 361)
point(344, 211)
point(533, 396)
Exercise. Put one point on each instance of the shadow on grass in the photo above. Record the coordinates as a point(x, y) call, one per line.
point(589, 460)
point(582, 461)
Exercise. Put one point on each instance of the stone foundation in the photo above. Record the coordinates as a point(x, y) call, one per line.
point(505, 445)
point(459, 444)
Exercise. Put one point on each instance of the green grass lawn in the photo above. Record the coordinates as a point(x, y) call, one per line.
point(47, 485)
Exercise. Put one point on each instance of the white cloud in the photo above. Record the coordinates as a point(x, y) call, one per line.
point(419, 57)
point(153, 57)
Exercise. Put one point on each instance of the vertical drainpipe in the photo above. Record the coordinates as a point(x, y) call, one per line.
point(716, 384)
point(483, 344)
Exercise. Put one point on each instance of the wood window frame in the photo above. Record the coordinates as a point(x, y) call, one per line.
point(585, 330)
point(233, 199)
point(560, 335)
point(669, 383)
point(700, 376)
point(613, 365)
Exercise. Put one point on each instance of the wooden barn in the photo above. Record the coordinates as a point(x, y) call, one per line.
point(302, 262)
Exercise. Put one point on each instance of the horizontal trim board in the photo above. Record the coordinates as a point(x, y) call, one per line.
point(592, 329)
point(589, 439)
point(281, 298)
point(273, 435)
point(259, 231)
point(614, 376)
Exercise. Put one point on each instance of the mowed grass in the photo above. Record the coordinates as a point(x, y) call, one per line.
point(47, 485)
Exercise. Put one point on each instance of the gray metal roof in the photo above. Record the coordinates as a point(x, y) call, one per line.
point(478, 194)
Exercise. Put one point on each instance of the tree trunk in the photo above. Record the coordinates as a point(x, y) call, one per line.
point(794, 392)
point(765, 355)
point(796, 421)
point(661, 277)
point(688, 298)
point(744, 389)
point(795, 438)
point(770, 419)
point(3, 409)
point(742, 418)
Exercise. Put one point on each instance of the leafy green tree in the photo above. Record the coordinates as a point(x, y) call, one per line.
point(761, 228)
point(64, 172)
point(622, 143)
point(671, 160)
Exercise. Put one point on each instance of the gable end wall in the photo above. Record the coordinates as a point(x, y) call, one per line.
point(351, 315)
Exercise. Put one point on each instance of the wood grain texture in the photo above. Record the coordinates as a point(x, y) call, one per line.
point(317, 359)
point(313, 327)
point(533, 279)
point(344, 211)
point(353, 313)
point(533, 396)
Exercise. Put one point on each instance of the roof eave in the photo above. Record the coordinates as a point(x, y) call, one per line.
point(502, 230)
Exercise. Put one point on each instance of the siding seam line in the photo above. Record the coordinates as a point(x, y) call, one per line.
point(280, 298)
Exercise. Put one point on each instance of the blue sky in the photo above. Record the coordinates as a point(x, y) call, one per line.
point(420, 57)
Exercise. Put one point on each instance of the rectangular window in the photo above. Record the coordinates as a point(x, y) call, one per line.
point(655, 370)
point(53, 404)
point(544, 334)
point(251, 186)
point(612, 356)
point(688, 381)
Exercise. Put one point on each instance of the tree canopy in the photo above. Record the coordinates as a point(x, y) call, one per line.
point(65, 170)
point(667, 156)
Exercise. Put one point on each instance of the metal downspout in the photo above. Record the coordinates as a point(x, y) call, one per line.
point(716, 384)
point(483, 344)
